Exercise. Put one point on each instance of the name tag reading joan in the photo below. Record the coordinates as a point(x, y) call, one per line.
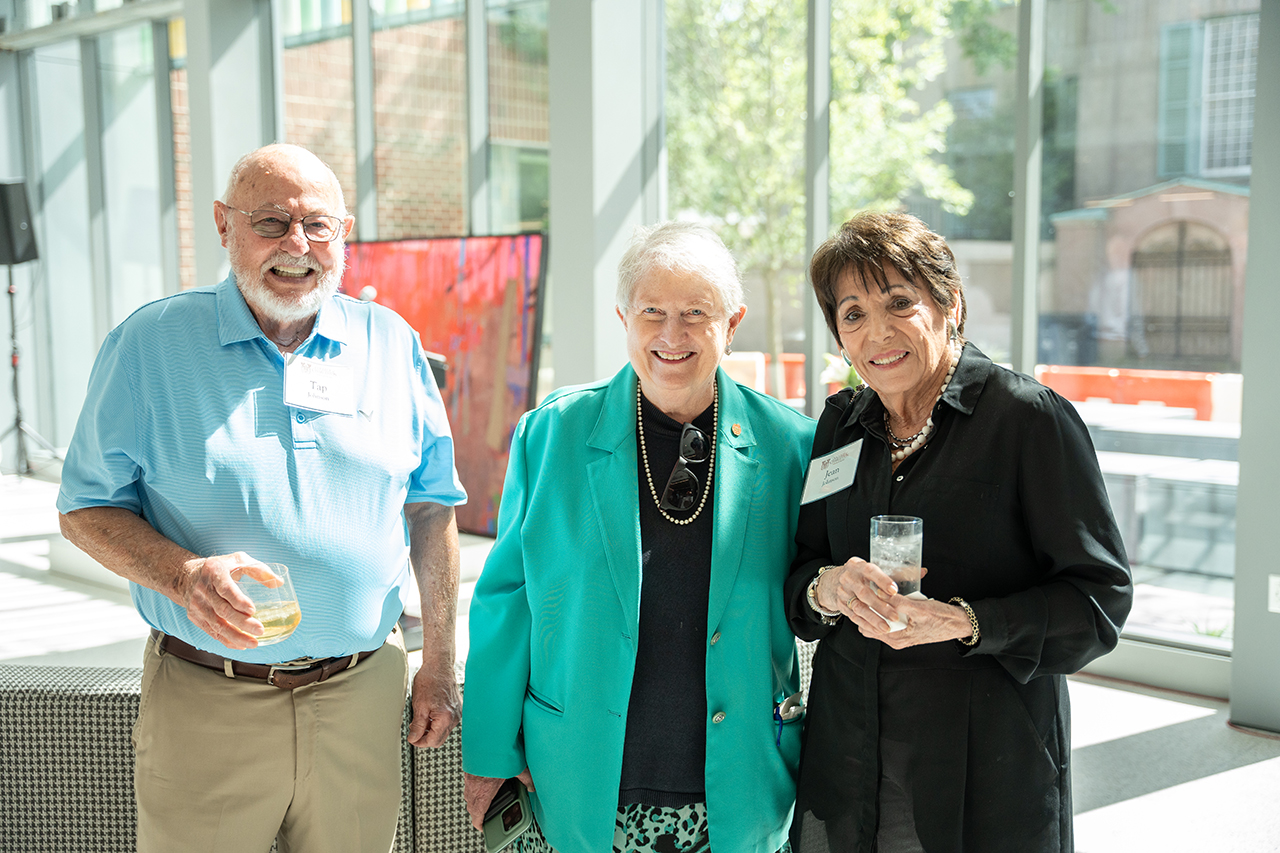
point(320, 386)
point(830, 473)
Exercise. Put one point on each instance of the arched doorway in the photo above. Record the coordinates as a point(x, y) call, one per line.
point(1181, 310)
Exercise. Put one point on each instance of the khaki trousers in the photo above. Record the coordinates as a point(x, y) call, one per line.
point(226, 764)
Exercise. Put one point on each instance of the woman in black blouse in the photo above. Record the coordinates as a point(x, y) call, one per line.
point(951, 734)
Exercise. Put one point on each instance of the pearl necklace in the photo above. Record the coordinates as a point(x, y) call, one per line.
point(908, 446)
point(644, 454)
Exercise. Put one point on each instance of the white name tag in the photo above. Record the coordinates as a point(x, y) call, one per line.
point(830, 473)
point(320, 386)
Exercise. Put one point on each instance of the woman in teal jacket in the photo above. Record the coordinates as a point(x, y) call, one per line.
point(630, 657)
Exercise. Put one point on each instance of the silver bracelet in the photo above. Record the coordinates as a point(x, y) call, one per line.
point(828, 618)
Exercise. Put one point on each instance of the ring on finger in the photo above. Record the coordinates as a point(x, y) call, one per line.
point(849, 604)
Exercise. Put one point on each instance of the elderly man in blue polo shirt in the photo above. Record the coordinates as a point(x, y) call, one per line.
point(204, 451)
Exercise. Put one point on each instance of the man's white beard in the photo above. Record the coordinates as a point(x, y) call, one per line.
point(286, 309)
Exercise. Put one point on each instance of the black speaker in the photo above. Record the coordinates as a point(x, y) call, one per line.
point(17, 237)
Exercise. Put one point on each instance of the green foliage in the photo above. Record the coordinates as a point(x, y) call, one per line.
point(523, 30)
point(1058, 158)
point(1207, 631)
point(736, 93)
point(736, 98)
point(983, 43)
point(882, 146)
point(838, 373)
point(980, 151)
point(735, 107)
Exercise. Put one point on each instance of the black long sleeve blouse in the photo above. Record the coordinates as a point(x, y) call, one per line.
point(1016, 522)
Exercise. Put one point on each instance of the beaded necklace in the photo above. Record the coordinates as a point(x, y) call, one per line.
point(644, 454)
point(907, 446)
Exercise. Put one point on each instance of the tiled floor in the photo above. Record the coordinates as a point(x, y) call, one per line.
point(44, 621)
point(1152, 770)
point(1159, 772)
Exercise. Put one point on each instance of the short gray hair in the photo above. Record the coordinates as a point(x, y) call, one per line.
point(686, 247)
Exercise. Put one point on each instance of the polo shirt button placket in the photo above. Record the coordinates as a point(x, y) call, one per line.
point(304, 433)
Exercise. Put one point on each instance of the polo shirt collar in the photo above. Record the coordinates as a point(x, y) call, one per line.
point(236, 323)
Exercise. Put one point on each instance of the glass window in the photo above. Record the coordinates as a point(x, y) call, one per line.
point(1231, 60)
point(735, 101)
point(319, 110)
point(37, 13)
point(974, 115)
point(1144, 223)
point(420, 118)
point(973, 104)
point(130, 177)
point(65, 265)
point(1178, 122)
point(919, 121)
point(180, 106)
point(1142, 286)
point(518, 115)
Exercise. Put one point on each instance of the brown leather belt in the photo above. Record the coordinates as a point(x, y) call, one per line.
point(286, 676)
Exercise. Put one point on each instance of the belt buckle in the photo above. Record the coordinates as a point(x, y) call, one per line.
point(291, 669)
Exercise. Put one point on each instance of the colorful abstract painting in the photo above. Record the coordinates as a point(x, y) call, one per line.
point(476, 301)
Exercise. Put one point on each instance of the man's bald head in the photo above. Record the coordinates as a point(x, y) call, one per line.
point(284, 277)
point(281, 159)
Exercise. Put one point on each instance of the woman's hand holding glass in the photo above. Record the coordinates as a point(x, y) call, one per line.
point(869, 598)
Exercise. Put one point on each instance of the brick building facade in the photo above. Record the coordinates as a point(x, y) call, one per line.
point(420, 122)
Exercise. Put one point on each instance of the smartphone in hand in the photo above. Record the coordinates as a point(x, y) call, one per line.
point(508, 815)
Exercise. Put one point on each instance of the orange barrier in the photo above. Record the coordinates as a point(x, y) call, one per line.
point(752, 370)
point(1180, 388)
point(1176, 388)
point(792, 374)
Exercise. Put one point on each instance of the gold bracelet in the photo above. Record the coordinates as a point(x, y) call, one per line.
point(828, 618)
point(973, 623)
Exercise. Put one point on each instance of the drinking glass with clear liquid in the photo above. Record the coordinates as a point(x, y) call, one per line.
point(275, 603)
point(897, 545)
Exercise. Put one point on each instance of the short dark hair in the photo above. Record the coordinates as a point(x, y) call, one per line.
point(872, 241)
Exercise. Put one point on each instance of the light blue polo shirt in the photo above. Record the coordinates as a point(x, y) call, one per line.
point(185, 423)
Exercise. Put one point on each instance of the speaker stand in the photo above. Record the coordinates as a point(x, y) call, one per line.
point(20, 430)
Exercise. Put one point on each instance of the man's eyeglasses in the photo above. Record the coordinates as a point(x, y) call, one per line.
point(274, 224)
point(682, 486)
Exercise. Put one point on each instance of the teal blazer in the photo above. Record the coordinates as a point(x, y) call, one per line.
point(556, 610)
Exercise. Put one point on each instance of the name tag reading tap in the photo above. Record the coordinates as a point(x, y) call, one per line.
point(830, 473)
point(320, 386)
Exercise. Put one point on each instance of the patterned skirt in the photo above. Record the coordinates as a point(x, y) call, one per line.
point(644, 829)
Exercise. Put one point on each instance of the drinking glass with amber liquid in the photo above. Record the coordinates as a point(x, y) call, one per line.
point(274, 601)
